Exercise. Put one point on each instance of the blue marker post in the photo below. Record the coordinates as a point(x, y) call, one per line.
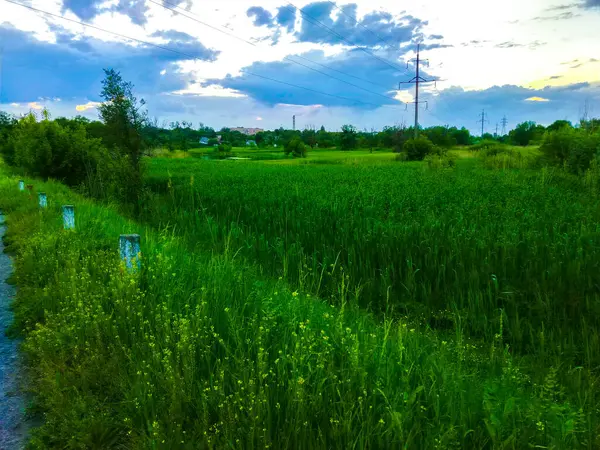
point(69, 217)
point(21, 185)
point(43, 200)
point(129, 247)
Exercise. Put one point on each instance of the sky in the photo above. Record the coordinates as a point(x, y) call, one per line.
point(230, 63)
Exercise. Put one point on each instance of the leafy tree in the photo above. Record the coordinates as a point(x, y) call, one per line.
point(417, 149)
point(348, 138)
point(572, 148)
point(525, 133)
point(557, 125)
point(325, 139)
point(7, 125)
point(309, 137)
point(125, 119)
point(440, 136)
point(296, 147)
point(462, 136)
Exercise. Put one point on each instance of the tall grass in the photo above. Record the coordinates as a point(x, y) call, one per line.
point(202, 350)
point(459, 244)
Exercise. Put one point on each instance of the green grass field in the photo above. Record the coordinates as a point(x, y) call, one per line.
point(344, 300)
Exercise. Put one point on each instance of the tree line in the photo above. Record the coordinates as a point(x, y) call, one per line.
point(105, 157)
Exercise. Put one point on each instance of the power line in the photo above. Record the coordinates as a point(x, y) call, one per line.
point(184, 14)
point(104, 30)
point(193, 17)
point(504, 122)
point(191, 56)
point(343, 73)
point(417, 80)
point(335, 33)
point(339, 79)
point(483, 120)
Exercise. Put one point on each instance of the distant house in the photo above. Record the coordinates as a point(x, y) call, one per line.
point(250, 143)
point(204, 141)
point(247, 131)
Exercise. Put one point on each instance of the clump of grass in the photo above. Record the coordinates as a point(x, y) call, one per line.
point(199, 349)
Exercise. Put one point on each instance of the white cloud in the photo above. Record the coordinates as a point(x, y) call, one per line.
point(537, 99)
point(35, 105)
point(472, 67)
point(87, 106)
point(259, 118)
point(212, 90)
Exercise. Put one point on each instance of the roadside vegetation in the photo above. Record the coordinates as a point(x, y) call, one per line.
point(378, 291)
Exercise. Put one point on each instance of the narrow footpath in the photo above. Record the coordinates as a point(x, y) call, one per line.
point(13, 428)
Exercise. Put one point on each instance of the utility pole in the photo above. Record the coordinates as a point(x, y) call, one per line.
point(483, 120)
point(504, 123)
point(294, 120)
point(417, 80)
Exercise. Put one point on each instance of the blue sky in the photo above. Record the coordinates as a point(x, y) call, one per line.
point(534, 60)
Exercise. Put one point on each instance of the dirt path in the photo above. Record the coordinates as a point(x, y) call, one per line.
point(12, 405)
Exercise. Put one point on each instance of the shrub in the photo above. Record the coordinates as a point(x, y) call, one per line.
point(296, 147)
point(435, 162)
point(417, 149)
point(225, 147)
point(489, 146)
point(572, 148)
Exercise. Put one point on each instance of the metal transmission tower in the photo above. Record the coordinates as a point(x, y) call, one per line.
point(417, 80)
point(504, 122)
point(483, 120)
point(496, 133)
point(294, 122)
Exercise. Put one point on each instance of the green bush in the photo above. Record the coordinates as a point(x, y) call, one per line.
point(572, 148)
point(435, 162)
point(417, 149)
point(296, 148)
point(489, 146)
point(225, 147)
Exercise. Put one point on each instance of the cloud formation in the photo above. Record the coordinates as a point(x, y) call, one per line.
point(72, 67)
point(86, 10)
point(353, 66)
point(261, 16)
point(325, 23)
point(87, 106)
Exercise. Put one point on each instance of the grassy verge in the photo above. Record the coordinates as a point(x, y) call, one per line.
point(202, 350)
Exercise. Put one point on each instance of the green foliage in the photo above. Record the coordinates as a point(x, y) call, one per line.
point(440, 136)
point(296, 148)
point(200, 350)
point(124, 118)
point(348, 138)
point(417, 149)
point(7, 124)
point(570, 147)
point(225, 147)
point(526, 133)
point(559, 124)
point(491, 147)
point(439, 161)
point(50, 150)
point(462, 136)
point(309, 137)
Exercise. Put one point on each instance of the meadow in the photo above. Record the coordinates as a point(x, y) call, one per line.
point(468, 245)
point(338, 301)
